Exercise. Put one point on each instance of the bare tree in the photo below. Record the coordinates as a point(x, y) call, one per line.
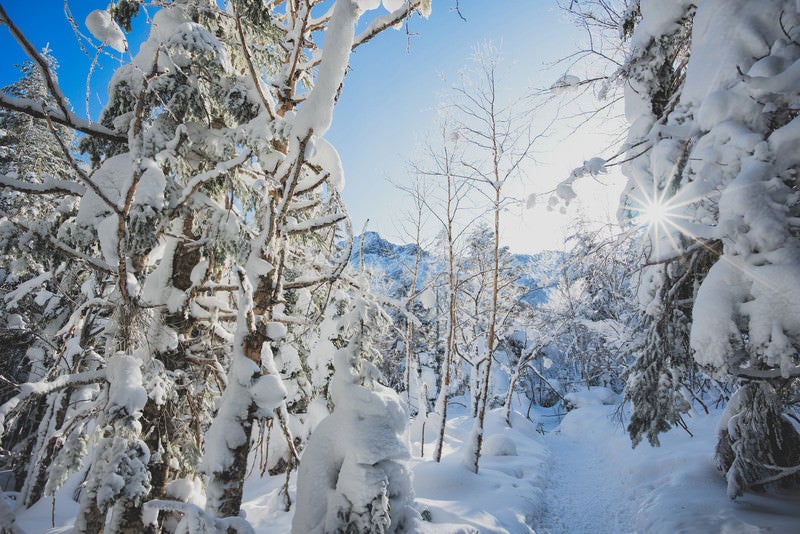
point(443, 160)
point(498, 140)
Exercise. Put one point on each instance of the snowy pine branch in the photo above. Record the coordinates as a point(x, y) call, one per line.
point(389, 20)
point(58, 244)
point(38, 389)
point(196, 182)
point(48, 186)
point(41, 111)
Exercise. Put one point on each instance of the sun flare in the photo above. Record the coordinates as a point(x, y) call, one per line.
point(656, 212)
point(662, 217)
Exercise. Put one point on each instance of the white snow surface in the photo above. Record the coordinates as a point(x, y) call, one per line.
point(580, 477)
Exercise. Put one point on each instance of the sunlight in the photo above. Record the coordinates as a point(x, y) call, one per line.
point(663, 219)
point(655, 212)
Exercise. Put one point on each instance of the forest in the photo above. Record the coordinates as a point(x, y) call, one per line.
point(197, 340)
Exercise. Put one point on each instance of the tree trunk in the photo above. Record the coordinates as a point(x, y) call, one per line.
point(231, 481)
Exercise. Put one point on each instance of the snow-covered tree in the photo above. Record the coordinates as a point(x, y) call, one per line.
point(210, 206)
point(37, 198)
point(713, 170)
point(590, 311)
point(353, 477)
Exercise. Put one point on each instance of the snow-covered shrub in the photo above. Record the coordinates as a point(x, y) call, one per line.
point(353, 476)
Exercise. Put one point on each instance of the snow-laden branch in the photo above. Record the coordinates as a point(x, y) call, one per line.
point(310, 184)
point(49, 185)
point(59, 245)
point(39, 111)
point(311, 225)
point(316, 114)
point(38, 389)
point(303, 205)
point(389, 20)
point(197, 181)
point(41, 61)
point(762, 374)
point(64, 114)
point(25, 288)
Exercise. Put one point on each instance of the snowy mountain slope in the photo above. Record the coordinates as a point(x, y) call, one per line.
point(397, 261)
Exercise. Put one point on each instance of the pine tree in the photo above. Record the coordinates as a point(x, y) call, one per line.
point(210, 190)
point(732, 255)
point(36, 200)
point(353, 477)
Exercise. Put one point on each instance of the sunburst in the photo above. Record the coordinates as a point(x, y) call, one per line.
point(662, 215)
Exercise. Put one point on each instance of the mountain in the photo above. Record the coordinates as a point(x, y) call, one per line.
point(396, 262)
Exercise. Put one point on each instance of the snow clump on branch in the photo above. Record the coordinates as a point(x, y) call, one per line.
point(105, 30)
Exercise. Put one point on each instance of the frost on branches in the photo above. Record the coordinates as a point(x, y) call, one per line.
point(183, 262)
point(721, 135)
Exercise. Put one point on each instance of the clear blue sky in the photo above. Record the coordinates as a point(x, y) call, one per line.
point(388, 105)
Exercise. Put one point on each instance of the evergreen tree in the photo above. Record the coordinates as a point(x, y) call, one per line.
point(710, 124)
point(37, 198)
point(353, 477)
point(210, 207)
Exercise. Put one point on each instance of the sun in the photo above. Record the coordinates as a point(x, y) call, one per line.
point(662, 217)
point(656, 213)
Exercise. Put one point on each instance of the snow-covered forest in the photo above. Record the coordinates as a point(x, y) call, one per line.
point(196, 340)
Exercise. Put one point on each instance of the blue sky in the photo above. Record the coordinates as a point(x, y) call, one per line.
point(389, 101)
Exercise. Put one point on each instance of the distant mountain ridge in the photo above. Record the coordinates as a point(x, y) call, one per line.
point(397, 261)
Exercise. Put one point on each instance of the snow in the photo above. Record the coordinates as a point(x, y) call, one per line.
point(596, 396)
point(717, 58)
point(366, 5)
point(327, 157)
point(103, 27)
point(268, 393)
point(316, 114)
point(598, 484)
point(275, 331)
point(428, 298)
point(22, 290)
point(126, 392)
point(565, 83)
point(394, 5)
point(185, 490)
point(573, 474)
point(499, 445)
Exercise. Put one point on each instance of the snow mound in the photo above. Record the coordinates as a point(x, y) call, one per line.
point(499, 445)
point(505, 496)
point(597, 396)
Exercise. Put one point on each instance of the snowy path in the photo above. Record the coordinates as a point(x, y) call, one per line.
point(597, 484)
point(587, 492)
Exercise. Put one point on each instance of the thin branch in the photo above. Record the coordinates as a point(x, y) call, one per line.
point(65, 115)
point(385, 22)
